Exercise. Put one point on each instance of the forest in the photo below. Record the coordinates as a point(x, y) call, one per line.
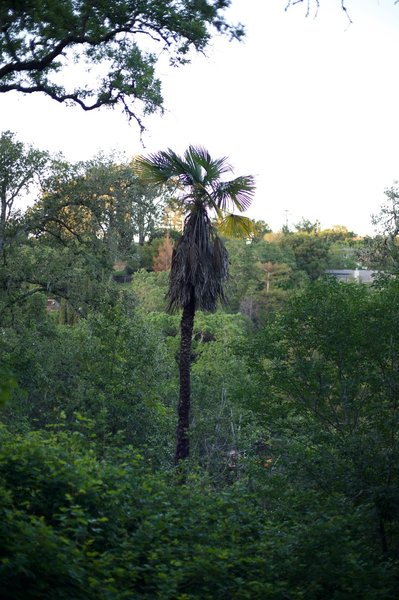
point(290, 487)
point(192, 405)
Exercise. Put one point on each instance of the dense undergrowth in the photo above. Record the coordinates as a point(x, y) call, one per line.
point(292, 488)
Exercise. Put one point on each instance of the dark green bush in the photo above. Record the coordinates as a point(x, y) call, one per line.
point(73, 526)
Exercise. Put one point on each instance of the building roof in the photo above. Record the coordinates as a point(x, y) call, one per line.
point(359, 275)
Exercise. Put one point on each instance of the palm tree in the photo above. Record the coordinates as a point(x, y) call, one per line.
point(199, 262)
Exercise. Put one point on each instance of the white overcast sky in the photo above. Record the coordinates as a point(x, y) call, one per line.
point(310, 106)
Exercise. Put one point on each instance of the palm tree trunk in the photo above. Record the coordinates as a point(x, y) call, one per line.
point(3, 218)
point(183, 421)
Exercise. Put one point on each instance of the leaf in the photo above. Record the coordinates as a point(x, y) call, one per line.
point(236, 226)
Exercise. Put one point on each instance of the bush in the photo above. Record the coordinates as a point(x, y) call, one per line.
point(76, 527)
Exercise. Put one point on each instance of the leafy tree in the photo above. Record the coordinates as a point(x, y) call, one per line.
point(199, 262)
point(149, 289)
point(7, 384)
point(382, 251)
point(333, 396)
point(272, 249)
point(259, 229)
point(132, 210)
point(259, 277)
point(163, 260)
point(244, 276)
point(20, 167)
point(92, 368)
point(310, 249)
point(306, 226)
point(222, 425)
point(344, 255)
point(90, 215)
point(100, 200)
point(39, 39)
point(273, 273)
point(338, 233)
point(344, 246)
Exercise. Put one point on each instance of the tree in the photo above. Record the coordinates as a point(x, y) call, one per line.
point(261, 228)
point(101, 201)
point(339, 233)
point(86, 216)
point(40, 39)
point(382, 251)
point(130, 210)
point(20, 165)
point(309, 247)
point(163, 260)
point(22, 168)
point(334, 396)
point(199, 262)
point(306, 226)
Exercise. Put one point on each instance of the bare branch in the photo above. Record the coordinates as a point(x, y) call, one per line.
point(317, 3)
point(343, 6)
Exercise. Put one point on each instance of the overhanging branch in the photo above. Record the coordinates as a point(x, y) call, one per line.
point(107, 99)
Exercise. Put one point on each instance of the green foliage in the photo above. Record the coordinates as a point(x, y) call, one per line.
point(338, 392)
point(90, 215)
point(93, 368)
point(310, 250)
point(273, 251)
point(7, 384)
point(21, 169)
point(76, 526)
point(306, 226)
point(150, 289)
point(343, 255)
point(100, 202)
point(40, 38)
point(259, 279)
point(291, 490)
point(243, 273)
point(222, 423)
point(381, 252)
point(260, 228)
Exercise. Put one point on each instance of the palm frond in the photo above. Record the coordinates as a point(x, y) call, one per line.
point(236, 226)
point(151, 169)
point(193, 163)
point(210, 169)
point(162, 167)
point(238, 192)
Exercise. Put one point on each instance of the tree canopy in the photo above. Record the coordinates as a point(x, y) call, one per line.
point(19, 166)
point(40, 39)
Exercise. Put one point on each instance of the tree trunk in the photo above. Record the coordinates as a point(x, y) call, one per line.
point(3, 219)
point(183, 420)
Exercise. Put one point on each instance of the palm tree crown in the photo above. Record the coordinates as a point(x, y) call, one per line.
point(200, 262)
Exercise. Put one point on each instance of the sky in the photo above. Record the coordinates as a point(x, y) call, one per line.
point(306, 104)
